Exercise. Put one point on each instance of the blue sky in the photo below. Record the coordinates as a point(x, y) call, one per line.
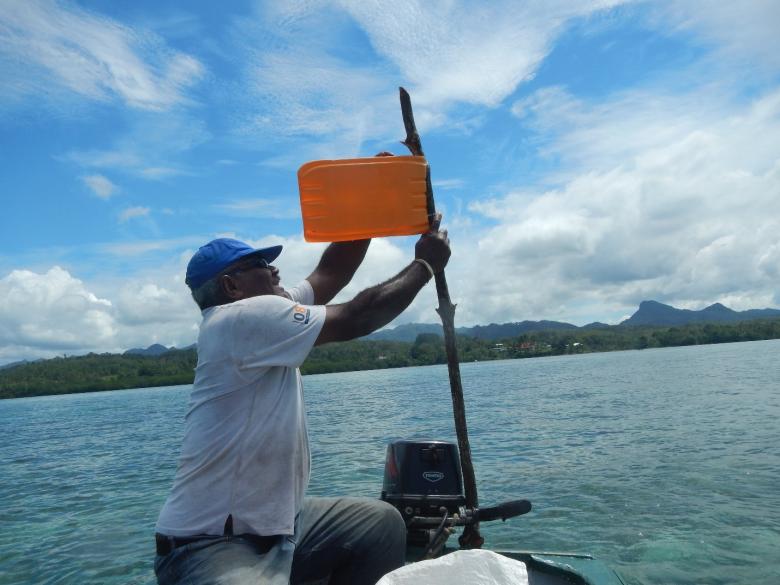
point(586, 155)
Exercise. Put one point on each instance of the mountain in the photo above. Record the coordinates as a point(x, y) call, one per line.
point(650, 313)
point(14, 364)
point(655, 313)
point(495, 331)
point(596, 325)
point(410, 331)
point(761, 313)
point(154, 349)
point(407, 332)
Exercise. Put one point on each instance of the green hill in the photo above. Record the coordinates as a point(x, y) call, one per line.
point(95, 372)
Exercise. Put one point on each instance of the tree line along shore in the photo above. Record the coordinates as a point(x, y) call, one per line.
point(98, 372)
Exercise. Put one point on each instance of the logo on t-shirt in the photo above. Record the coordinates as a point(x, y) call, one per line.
point(301, 314)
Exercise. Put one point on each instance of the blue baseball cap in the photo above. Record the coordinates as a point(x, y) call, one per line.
point(214, 257)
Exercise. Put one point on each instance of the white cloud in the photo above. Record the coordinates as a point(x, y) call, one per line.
point(150, 148)
point(746, 31)
point(52, 312)
point(446, 53)
point(304, 92)
point(457, 51)
point(270, 208)
point(49, 313)
point(143, 247)
point(47, 46)
point(100, 186)
point(447, 184)
point(667, 199)
point(628, 125)
point(133, 212)
point(156, 308)
point(154, 305)
point(155, 173)
point(116, 159)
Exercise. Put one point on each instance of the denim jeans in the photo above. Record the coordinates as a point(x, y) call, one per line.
point(338, 541)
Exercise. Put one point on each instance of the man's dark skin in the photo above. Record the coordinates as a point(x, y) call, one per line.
point(371, 309)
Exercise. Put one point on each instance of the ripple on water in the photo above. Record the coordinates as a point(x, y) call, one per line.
point(663, 462)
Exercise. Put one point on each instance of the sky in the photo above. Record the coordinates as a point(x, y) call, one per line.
point(586, 155)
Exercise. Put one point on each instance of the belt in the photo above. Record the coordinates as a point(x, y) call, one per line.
point(165, 543)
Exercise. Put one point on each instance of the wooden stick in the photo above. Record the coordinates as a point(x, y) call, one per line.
point(446, 310)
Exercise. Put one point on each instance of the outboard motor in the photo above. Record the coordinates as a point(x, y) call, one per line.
point(423, 476)
point(423, 480)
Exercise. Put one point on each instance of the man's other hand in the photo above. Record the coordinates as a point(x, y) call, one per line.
point(434, 246)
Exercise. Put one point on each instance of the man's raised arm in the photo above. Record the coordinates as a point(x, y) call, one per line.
point(375, 307)
point(336, 268)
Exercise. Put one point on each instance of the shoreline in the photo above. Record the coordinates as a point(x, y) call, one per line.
point(110, 372)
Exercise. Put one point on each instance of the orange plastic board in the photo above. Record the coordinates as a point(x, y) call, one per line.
point(359, 198)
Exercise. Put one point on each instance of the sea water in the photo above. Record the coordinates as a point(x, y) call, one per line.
point(665, 463)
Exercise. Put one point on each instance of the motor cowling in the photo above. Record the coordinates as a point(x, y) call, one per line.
point(421, 477)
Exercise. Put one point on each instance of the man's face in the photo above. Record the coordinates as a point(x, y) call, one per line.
point(253, 277)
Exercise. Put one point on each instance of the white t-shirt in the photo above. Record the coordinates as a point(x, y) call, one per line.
point(246, 449)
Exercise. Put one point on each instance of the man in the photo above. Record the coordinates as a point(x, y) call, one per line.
point(236, 513)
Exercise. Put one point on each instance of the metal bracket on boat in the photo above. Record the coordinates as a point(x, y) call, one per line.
point(438, 537)
point(470, 516)
point(441, 528)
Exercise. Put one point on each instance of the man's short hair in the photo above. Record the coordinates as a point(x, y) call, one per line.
point(208, 294)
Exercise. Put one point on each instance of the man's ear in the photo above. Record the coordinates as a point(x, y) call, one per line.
point(229, 287)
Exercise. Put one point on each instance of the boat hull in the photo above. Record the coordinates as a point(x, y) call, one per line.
point(552, 568)
point(557, 568)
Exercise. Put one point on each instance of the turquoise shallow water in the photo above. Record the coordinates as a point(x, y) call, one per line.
point(665, 463)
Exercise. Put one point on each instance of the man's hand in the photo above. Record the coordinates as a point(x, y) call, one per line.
point(434, 246)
